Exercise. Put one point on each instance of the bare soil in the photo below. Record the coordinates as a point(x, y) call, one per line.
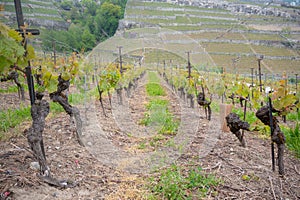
point(111, 166)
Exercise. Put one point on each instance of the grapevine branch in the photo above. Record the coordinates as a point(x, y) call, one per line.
point(100, 91)
point(59, 97)
point(13, 75)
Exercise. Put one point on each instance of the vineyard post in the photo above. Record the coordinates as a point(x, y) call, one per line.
point(296, 87)
point(259, 74)
point(272, 132)
point(54, 51)
point(189, 66)
point(285, 78)
point(256, 75)
point(44, 55)
point(171, 68)
point(234, 67)
point(99, 60)
point(245, 111)
point(252, 82)
point(157, 60)
point(95, 68)
point(120, 59)
point(296, 82)
point(223, 77)
point(65, 56)
point(20, 21)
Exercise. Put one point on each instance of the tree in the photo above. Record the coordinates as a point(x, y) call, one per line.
point(66, 5)
point(107, 20)
point(91, 7)
point(74, 13)
point(88, 40)
point(74, 38)
point(90, 24)
point(100, 19)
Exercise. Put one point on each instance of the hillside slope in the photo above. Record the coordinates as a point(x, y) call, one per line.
point(37, 13)
point(218, 33)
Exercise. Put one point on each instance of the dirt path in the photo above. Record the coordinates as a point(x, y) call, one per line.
point(112, 167)
point(102, 144)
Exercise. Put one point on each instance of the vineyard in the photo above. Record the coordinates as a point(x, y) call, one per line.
point(143, 121)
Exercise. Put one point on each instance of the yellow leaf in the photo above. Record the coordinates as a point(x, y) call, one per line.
point(245, 177)
point(15, 35)
point(66, 76)
point(30, 52)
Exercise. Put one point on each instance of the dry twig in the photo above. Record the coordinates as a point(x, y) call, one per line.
point(272, 188)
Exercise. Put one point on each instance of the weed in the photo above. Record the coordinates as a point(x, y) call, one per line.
point(158, 115)
point(13, 117)
point(56, 108)
point(292, 136)
point(146, 120)
point(178, 183)
point(142, 145)
point(170, 125)
point(215, 107)
point(294, 116)
point(9, 89)
point(250, 115)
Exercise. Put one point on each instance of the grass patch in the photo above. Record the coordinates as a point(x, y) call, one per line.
point(157, 114)
point(10, 89)
point(294, 116)
point(215, 106)
point(12, 117)
point(180, 183)
point(292, 136)
point(155, 89)
point(250, 115)
point(56, 108)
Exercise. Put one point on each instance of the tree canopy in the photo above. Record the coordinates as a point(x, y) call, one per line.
point(91, 22)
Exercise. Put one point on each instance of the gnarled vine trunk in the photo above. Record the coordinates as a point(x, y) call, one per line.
point(39, 111)
point(206, 104)
point(278, 137)
point(62, 99)
point(13, 75)
point(191, 97)
point(119, 95)
point(235, 125)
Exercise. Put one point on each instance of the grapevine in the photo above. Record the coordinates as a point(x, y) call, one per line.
point(110, 79)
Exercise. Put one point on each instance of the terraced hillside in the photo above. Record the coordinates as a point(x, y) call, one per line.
point(37, 13)
point(218, 34)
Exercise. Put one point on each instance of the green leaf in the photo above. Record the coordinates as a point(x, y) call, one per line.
point(66, 76)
